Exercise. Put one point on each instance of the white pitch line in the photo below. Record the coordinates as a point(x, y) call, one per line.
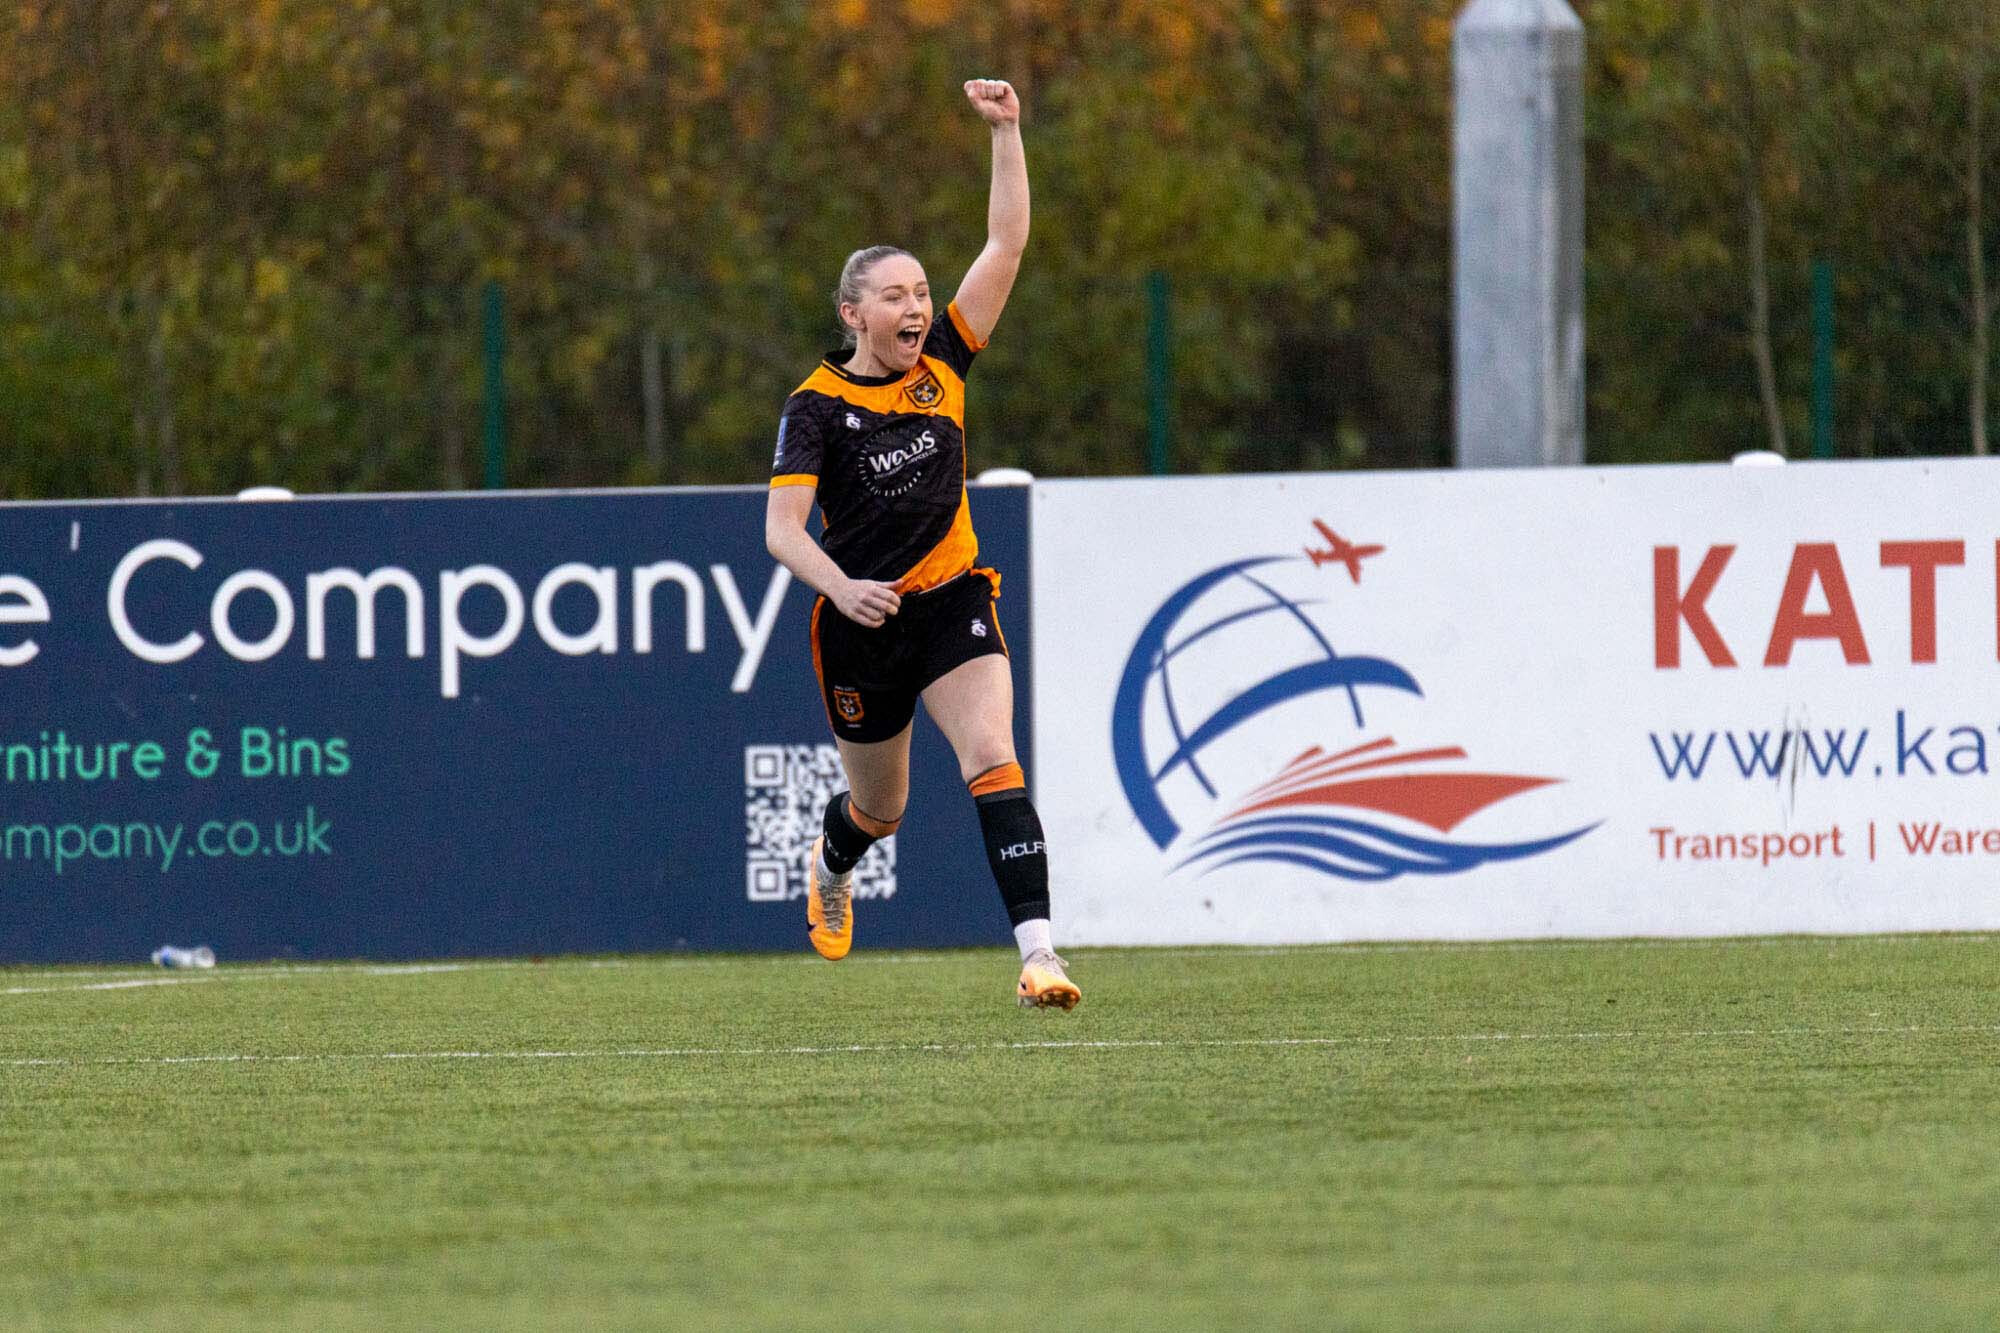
point(1634, 1035)
point(1535, 946)
point(235, 973)
point(240, 972)
point(132, 984)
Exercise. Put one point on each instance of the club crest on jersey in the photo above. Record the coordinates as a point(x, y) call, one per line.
point(848, 702)
point(926, 392)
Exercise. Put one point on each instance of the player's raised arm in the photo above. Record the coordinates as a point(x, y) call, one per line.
point(983, 295)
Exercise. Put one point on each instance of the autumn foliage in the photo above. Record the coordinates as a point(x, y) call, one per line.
point(244, 241)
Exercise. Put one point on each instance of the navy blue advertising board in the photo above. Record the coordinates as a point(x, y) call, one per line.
point(442, 726)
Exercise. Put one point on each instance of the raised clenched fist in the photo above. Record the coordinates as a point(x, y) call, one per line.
point(994, 100)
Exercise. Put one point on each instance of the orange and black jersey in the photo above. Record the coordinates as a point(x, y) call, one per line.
point(888, 455)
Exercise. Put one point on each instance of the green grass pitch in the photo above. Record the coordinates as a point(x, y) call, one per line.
point(1795, 1133)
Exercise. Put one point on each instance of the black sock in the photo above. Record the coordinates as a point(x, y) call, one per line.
point(1015, 850)
point(846, 842)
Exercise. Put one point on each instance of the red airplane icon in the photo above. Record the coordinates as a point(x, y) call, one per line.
point(1341, 551)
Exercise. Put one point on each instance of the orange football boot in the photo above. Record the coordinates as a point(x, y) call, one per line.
point(1044, 984)
point(829, 908)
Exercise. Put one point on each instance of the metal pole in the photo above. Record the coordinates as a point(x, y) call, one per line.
point(495, 415)
point(1517, 186)
point(1822, 361)
point(1159, 374)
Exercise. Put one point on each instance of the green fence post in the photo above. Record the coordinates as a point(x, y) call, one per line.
point(1159, 374)
point(1822, 359)
point(495, 420)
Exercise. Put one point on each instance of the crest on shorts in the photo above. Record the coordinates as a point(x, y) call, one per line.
point(848, 704)
point(926, 392)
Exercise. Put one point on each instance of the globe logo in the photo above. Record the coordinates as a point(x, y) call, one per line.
point(1230, 653)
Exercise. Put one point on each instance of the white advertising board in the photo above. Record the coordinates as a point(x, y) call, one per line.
point(1659, 701)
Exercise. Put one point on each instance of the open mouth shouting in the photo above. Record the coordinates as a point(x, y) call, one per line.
point(910, 338)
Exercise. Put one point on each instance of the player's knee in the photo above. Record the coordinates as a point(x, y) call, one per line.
point(981, 760)
point(882, 800)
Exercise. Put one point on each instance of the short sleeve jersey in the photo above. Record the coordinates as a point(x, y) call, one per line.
point(888, 455)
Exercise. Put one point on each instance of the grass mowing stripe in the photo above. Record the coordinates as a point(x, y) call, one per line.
point(947, 1048)
point(65, 971)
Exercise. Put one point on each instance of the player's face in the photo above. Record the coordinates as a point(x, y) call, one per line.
point(894, 314)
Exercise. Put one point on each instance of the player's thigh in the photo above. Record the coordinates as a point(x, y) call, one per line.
point(973, 705)
point(878, 775)
point(865, 676)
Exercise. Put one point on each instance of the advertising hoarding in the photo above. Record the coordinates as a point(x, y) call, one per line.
point(429, 726)
point(1553, 702)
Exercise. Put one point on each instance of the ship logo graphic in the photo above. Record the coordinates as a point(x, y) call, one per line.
point(1351, 804)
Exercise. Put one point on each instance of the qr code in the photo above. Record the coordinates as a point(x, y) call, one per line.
point(785, 791)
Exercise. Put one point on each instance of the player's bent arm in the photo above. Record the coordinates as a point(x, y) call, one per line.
point(990, 280)
point(786, 538)
point(861, 600)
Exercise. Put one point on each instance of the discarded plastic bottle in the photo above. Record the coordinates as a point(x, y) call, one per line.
point(168, 955)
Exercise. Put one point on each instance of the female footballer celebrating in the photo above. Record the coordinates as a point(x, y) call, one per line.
point(877, 433)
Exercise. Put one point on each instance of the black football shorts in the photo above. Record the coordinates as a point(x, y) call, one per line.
point(870, 678)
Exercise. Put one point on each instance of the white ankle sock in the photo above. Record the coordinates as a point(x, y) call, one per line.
point(1033, 935)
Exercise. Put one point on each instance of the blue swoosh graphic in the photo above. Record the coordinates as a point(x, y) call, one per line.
point(1310, 628)
point(1324, 844)
point(1236, 617)
point(1167, 656)
point(1128, 708)
point(1148, 652)
point(1340, 673)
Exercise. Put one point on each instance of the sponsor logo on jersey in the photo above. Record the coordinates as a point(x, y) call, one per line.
point(888, 462)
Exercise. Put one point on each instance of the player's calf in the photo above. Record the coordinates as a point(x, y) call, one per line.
point(1019, 856)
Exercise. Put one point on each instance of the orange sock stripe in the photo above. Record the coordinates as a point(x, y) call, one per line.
point(1005, 777)
point(867, 823)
